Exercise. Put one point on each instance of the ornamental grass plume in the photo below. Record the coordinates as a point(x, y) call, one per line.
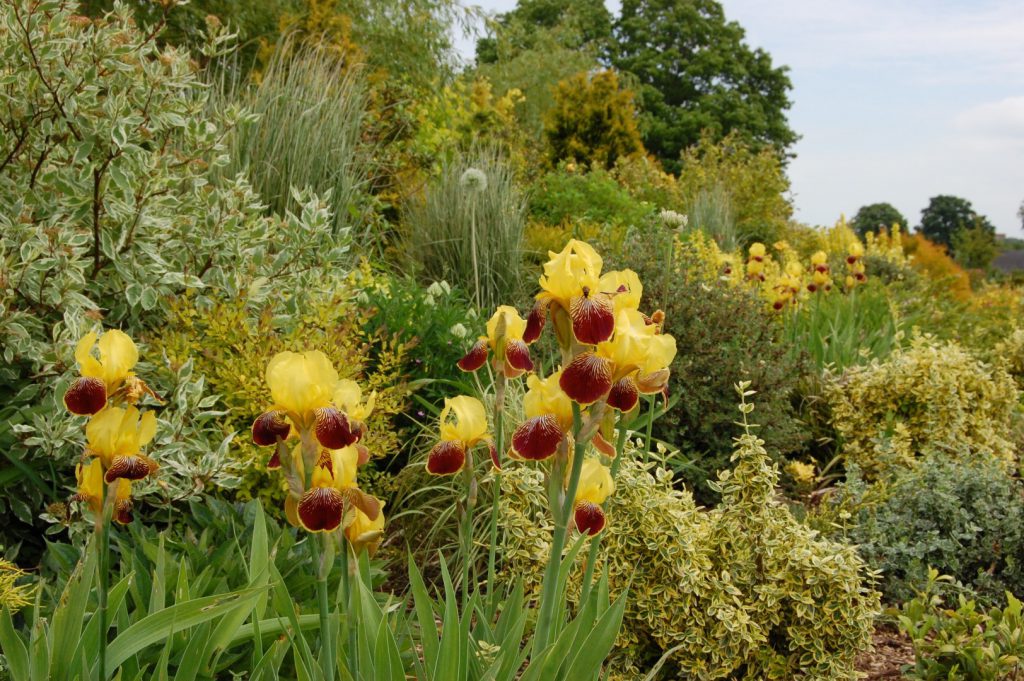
point(610, 353)
point(314, 425)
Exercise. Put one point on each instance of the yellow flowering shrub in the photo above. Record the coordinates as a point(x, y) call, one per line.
point(230, 344)
point(886, 245)
point(744, 591)
point(928, 396)
point(931, 259)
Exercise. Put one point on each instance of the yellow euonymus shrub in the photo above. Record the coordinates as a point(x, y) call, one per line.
point(743, 591)
point(230, 344)
point(928, 396)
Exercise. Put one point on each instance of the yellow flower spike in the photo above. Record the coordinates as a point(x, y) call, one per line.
point(595, 486)
point(101, 377)
point(463, 424)
point(504, 338)
point(116, 436)
point(571, 287)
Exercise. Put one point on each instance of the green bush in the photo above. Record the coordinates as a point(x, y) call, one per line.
point(966, 643)
point(563, 196)
point(930, 396)
point(744, 591)
point(108, 209)
point(724, 336)
point(962, 517)
point(467, 228)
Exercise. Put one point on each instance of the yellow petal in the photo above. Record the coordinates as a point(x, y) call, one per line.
point(464, 418)
point(90, 483)
point(566, 273)
point(147, 428)
point(346, 464)
point(301, 382)
point(514, 326)
point(124, 489)
point(118, 355)
point(348, 395)
point(103, 431)
point(545, 397)
point(626, 287)
point(596, 483)
point(87, 364)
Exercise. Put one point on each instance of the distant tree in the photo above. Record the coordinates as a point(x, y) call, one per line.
point(873, 216)
point(593, 120)
point(1020, 214)
point(578, 22)
point(696, 73)
point(974, 247)
point(945, 215)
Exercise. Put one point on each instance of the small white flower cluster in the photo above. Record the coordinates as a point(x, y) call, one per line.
point(674, 220)
point(438, 289)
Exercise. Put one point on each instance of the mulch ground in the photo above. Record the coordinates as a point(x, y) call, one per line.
point(891, 651)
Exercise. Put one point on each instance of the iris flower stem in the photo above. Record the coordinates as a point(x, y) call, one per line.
point(467, 525)
point(561, 509)
point(103, 567)
point(595, 543)
point(651, 407)
point(347, 568)
point(328, 642)
point(499, 443)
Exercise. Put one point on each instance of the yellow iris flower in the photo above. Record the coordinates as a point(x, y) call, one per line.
point(116, 436)
point(595, 486)
point(333, 495)
point(504, 338)
point(636, 360)
point(548, 413)
point(91, 488)
point(571, 290)
point(101, 376)
point(363, 532)
point(463, 425)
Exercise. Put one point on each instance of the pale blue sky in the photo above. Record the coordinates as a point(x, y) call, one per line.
point(896, 100)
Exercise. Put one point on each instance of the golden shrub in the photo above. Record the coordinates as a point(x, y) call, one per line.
point(1010, 353)
point(230, 344)
point(931, 259)
point(744, 591)
point(930, 396)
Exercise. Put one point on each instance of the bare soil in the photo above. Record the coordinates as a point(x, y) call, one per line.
point(891, 651)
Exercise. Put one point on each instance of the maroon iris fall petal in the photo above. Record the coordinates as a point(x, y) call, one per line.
point(446, 458)
point(517, 355)
point(587, 379)
point(494, 455)
point(269, 427)
point(624, 395)
point(475, 358)
point(275, 461)
point(86, 396)
point(130, 467)
point(593, 317)
point(589, 518)
point(123, 511)
point(332, 428)
point(537, 438)
point(535, 321)
point(321, 509)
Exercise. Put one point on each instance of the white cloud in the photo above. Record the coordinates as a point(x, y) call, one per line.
point(1000, 121)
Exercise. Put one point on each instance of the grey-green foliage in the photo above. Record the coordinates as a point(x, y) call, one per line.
point(744, 591)
point(307, 110)
point(712, 211)
point(468, 230)
point(106, 209)
point(964, 517)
